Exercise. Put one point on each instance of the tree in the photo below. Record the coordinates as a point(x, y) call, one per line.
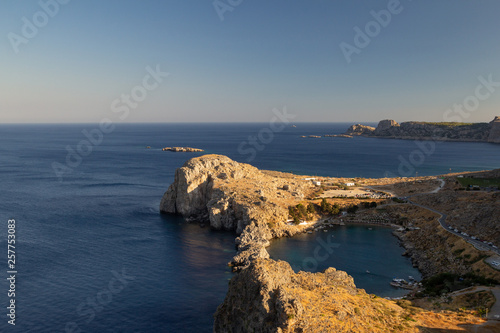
point(352, 209)
point(325, 206)
point(310, 208)
point(302, 210)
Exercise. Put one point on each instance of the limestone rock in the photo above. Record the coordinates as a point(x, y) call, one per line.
point(182, 149)
point(438, 131)
point(230, 195)
point(494, 135)
point(385, 126)
point(269, 297)
point(359, 129)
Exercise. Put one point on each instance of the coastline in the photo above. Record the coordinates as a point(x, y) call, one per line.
point(235, 196)
point(428, 131)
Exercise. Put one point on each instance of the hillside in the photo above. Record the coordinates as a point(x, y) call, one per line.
point(266, 295)
point(414, 130)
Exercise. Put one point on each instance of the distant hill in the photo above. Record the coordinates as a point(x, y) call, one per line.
point(416, 130)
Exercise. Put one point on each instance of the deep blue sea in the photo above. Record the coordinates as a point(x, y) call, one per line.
point(93, 254)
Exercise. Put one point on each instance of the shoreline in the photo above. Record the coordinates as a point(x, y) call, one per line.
point(225, 194)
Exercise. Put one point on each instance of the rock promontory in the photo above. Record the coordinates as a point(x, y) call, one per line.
point(438, 131)
point(266, 295)
point(269, 297)
point(494, 135)
point(236, 196)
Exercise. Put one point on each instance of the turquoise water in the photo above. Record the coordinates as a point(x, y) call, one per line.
point(370, 254)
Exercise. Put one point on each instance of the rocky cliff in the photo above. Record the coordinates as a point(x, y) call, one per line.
point(482, 132)
point(236, 196)
point(494, 135)
point(359, 129)
point(232, 195)
point(269, 297)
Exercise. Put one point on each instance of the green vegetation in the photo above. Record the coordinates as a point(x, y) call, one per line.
point(445, 124)
point(352, 209)
point(447, 282)
point(328, 208)
point(301, 212)
point(481, 182)
point(367, 204)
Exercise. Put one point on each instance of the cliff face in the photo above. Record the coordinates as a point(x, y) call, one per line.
point(359, 129)
point(232, 195)
point(269, 297)
point(494, 135)
point(484, 132)
point(385, 127)
point(207, 188)
point(266, 295)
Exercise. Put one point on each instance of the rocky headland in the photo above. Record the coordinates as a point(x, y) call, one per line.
point(414, 130)
point(236, 196)
point(267, 295)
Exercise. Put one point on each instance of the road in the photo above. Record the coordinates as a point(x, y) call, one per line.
point(495, 309)
point(442, 221)
point(494, 314)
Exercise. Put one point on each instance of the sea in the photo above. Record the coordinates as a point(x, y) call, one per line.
point(93, 254)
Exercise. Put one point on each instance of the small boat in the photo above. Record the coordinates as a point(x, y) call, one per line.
point(309, 232)
point(367, 271)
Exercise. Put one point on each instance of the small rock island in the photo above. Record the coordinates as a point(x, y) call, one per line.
point(183, 149)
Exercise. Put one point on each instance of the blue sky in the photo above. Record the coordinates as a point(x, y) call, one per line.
point(263, 55)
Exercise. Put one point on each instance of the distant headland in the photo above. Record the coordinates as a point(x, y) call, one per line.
point(439, 131)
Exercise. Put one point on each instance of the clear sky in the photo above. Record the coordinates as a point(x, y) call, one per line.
point(86, 54)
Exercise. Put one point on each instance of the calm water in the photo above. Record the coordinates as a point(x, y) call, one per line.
point(100, 219)
point(369, 254)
